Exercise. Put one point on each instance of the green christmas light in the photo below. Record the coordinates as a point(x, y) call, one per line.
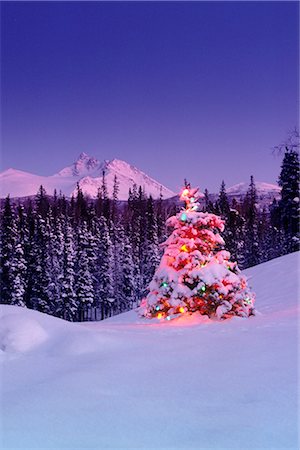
point(164, 284)
point(183, 217)
point(203, 288)
point(157, 308)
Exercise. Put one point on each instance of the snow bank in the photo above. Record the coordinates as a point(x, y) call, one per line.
point(19, 333)
point(191, 383)
point(22, 329)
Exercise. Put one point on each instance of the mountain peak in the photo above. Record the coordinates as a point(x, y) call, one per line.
point(83, 155)
point(83, 166)
point(87, 172)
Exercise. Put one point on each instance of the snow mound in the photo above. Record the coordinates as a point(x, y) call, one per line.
point(198, 383)
point(22, 330)
point(20, 334)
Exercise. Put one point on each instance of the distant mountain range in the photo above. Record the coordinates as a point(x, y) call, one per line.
point(87, 171)
point(266, 192)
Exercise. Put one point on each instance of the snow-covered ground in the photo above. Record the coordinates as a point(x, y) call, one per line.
point(125, 383)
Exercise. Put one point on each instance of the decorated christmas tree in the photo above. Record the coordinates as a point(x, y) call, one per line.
point(195, 273)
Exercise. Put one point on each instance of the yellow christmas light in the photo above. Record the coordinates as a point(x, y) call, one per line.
point(181, 309)
point(184, 248)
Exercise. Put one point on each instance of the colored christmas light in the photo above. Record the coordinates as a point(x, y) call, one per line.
point(197, 234)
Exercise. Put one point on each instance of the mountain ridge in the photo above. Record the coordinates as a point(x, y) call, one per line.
point(87, 172)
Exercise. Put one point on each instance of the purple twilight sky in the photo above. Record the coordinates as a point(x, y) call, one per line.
point(200, 90)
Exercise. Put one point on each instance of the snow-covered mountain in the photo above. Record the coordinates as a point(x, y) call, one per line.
point(265, 191)
point(87, 171)
point(129, 383)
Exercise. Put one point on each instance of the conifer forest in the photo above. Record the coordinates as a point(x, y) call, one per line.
point(82, 259)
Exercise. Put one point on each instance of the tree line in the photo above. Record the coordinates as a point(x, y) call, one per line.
point(84, 259)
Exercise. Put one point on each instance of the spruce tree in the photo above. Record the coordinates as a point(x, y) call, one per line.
point(289, 203)
point(42, 202)
point(55, 245)
point(104, 290)
point(116, 189)
point(117, 236)
point(106, 200)
point(127, 286)
point(18, 270)
point(8, 244)
point(195, 273)
point(68, 306)
point(41, 268)
point(150, 250)
point(84, 280)
point(252, 256)
point(223, 203)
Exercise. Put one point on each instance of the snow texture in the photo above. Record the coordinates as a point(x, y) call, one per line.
point(128, 383)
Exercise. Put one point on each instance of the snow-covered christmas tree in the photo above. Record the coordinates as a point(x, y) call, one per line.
point(195, 273)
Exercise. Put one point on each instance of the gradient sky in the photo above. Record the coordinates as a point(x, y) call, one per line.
point(197, 90)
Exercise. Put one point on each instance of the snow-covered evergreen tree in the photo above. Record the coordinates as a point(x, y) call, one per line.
point(116, 189)
point(161, 219)
point(41, 268)
point(8, 243)
point(18, 270)
point(104, 289)
point(289, 203)
point(42, 202)
point(195, 274)
point(128, 283)
point(54, 261)
point(222, 202)
point(135, 232)
point(150, 250)
point(252, 251)
point(117, 237)
point(84, 278)
point(68, 307)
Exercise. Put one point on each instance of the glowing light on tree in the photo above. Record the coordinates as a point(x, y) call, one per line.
point(195, 273)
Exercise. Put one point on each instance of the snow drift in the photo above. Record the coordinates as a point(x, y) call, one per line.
point(127, 383)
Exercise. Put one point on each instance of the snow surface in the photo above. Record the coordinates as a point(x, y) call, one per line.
point(87, 171)
point(128, 383)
